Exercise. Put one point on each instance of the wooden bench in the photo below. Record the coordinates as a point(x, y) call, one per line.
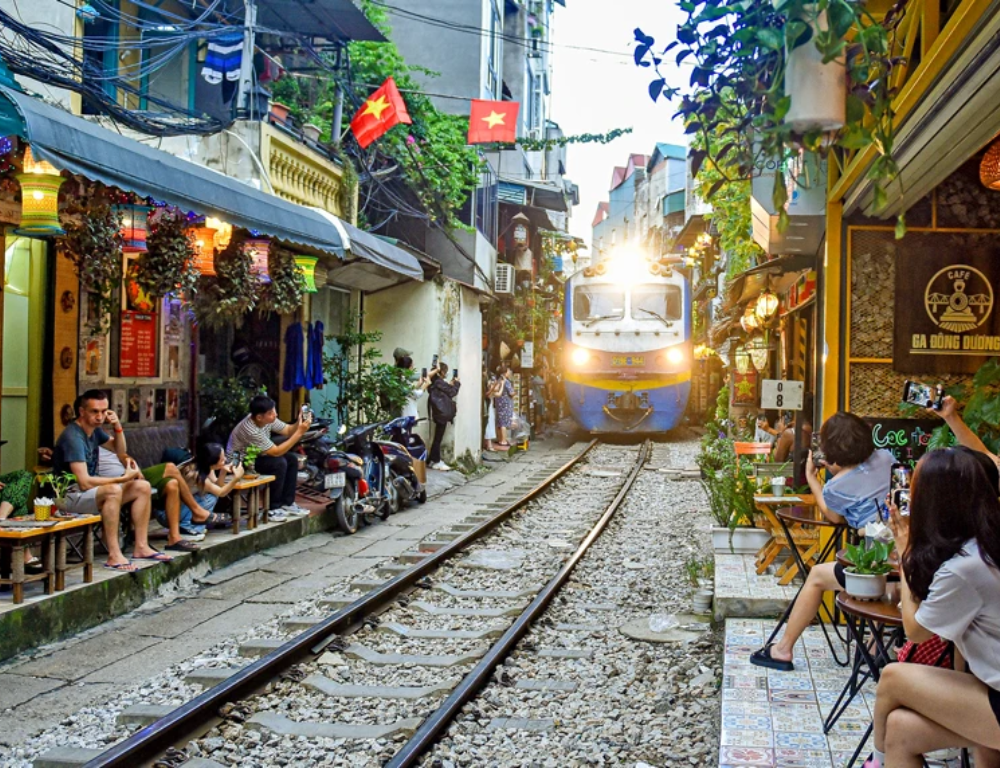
point(255, 487)
point(51, 537)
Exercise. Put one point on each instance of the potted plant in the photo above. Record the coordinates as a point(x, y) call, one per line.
point(699, 573)
point(865, 577)
point(280, 111)
point(312, 132)
point(250, 454)
point(59, 484)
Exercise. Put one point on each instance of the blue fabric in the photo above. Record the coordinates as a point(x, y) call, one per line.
point(854, 494)
point(314, 359)
point(188, 526)
point(224, 58)
point(73, 445)
point(294, 375)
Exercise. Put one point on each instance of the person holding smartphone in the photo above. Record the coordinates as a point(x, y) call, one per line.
point(442, 410)
point(419, 387)
point(963, 434)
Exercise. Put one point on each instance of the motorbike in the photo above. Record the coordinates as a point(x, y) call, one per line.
point(375, 467)
point(337, 474)
point(403, 449)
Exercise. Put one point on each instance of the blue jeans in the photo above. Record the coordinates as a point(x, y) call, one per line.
point(206, 500)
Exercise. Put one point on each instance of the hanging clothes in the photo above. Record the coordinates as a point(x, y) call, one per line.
point(314, 361)
point(294, 373)
point(224, 59)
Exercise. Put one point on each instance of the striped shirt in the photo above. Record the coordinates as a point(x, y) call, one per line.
point(247, 433)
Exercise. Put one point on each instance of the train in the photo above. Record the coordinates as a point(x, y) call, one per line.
point(628, 350)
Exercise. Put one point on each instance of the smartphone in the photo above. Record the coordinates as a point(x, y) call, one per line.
point(899, 476)
point(454, 373)
point(923, 395)
point(901, 500)
point(819, 458)
point(423, 373)
point(434, 361)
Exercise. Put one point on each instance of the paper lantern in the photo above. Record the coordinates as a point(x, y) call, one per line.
point(223, 231)
point(135, 227)
point(40, 184)
point(989, 168)
point(203, 240)
point(766, 307)
point(259, 249)
point(749, 320)
point(307, 266)
point(759, 352)
point(741, 359)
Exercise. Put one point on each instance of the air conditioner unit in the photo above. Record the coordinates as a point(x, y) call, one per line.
point(503, 280)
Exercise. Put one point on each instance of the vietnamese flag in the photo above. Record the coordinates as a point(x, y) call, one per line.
point(493, 121)
point(382, 110)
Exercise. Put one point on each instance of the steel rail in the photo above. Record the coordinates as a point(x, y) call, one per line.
point(429, 731)
point(149, 742)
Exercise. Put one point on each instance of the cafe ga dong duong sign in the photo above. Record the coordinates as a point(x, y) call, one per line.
point(946, 320)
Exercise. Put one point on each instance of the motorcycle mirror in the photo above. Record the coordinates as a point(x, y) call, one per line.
point(342, 430)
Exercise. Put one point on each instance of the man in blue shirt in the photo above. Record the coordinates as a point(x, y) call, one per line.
point(860, 480)
point(76, 451)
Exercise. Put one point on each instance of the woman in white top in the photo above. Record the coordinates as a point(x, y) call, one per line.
point(950, 586)
point(419, 387)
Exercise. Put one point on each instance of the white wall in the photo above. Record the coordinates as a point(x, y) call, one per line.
point(436, 317)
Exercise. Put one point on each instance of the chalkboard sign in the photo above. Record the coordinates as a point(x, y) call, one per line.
point(906, 439)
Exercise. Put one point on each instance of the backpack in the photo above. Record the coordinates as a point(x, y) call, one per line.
point(443, 405)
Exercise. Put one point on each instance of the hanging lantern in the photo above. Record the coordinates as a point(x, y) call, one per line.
point(307, 266)
point(223, 231)
point(749, 321)
point(520, 233)
point(40, 185)
point(758, 351)
point(259, 249)
point(741, 359)
point(135, 227)
point(989, 168)
point(766, 307)
point(203, 240)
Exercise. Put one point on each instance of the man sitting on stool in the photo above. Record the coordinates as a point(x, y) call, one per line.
point(256, 429)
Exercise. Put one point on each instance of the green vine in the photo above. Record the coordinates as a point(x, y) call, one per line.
point(93, 242)
point(234, 291)
point(283, 294)
point(168, 266)
point(542, 145)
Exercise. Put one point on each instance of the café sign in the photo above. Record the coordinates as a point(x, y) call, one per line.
point(945, 319)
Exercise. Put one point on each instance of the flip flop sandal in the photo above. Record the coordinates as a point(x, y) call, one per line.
point(763, 658)
point(182, 546)
point(159, 557)
point(123, 567)
point(218, 520)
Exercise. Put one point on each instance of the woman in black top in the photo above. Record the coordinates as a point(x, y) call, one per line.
point(441, 408)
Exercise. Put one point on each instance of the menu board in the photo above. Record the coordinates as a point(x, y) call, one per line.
point(137, 359)
point(906, 439)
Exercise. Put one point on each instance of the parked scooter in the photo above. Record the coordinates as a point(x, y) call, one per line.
point(375, 467)
point(338, 474)
point(403, 450)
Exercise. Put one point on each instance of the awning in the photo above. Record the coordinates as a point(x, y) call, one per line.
point(378, 263)
point(540, 194)
point(748, 285)
point(81, 147)
point(337, 20)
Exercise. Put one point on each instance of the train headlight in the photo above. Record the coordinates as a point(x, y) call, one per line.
point(675, 356)
point(580, 356)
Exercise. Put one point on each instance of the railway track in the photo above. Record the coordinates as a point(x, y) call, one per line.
point(494, 602)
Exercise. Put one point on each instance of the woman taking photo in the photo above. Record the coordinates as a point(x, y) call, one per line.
point(503, 400)
point(210, 478)
point(950, 586)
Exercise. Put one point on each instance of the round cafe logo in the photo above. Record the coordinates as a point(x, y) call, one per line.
point(958, 298)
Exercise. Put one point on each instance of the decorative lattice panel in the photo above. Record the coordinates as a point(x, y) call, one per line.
point(873, 279)
point(876, 390)
point(964, 203)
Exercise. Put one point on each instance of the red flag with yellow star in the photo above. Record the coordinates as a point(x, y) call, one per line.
point(493, 121)
point(382, 110)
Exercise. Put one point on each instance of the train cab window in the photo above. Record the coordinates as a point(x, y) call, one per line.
point(598, 302)
point(650, 302)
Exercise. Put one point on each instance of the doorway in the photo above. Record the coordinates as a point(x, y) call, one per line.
point(24, 289)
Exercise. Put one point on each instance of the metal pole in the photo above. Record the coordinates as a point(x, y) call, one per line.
point(338, 116)
point(246, 66)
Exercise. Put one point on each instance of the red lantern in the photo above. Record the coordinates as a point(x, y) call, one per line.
point(203, 240)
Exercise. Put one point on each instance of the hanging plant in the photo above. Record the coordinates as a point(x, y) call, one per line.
point(93, 242)
point(168, 264)
point(283, 294)
point(232, 293)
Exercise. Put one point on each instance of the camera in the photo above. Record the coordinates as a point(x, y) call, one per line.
point(819, 458)
point(923, 395)
point(901, 500)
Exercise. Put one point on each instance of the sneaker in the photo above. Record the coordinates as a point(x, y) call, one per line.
point(190, 535)
point(441, 467)
point(294, 510)
point(277, 516)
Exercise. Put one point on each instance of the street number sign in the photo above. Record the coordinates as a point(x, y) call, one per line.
point(786, 395)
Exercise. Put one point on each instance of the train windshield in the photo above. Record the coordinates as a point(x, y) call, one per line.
point(650, 302)
point(598, 302)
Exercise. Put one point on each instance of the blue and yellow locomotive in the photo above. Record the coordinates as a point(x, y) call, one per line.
point(628, 352)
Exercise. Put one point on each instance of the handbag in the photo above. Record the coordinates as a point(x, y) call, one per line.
point(491, 423)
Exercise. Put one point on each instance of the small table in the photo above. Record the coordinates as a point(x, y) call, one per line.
point(51, 535)
point(254, 486)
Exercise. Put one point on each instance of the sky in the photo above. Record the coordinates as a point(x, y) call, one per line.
point(598, 92)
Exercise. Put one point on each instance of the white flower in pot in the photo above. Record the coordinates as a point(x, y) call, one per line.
point(865, 577)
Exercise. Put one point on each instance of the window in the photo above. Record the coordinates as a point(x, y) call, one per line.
point(495, 63)
point(651, 302)
point(594, 302)
point(100, 60)
point(536, 103)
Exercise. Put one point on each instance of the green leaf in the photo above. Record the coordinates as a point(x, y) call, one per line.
point(901, 226)
point(840, 16)
point(770, 38)
point(879, 196)
point(941, 437)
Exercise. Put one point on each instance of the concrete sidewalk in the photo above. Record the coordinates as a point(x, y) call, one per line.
point(40, 689)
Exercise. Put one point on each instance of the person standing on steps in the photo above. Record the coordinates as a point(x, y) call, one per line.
point(504, 403)
point(442, 410)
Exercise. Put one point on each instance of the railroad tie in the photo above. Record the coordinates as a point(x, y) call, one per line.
point(274, 723)
point(327, 686)
point(365, 653)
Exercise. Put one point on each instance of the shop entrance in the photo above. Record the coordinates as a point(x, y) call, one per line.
point(24, 289)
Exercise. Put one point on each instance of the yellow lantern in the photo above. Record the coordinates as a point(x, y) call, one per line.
point(135, 227)
point(259, 249)
point(40, 184)
point(749, 320)
point(766, 307)
point(307, 266)
point(741, 359)
point(758, 352)
point(203, 240)
point(223, 231)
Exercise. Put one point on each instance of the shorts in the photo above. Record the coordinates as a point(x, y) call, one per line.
point(81, 502)
point(157, 480)
point(994, 702)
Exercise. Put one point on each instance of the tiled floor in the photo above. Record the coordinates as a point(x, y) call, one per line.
point(772, 718)
point(736, 576)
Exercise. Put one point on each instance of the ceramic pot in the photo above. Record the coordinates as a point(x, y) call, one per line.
point(864, 586)
point(745, 540)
